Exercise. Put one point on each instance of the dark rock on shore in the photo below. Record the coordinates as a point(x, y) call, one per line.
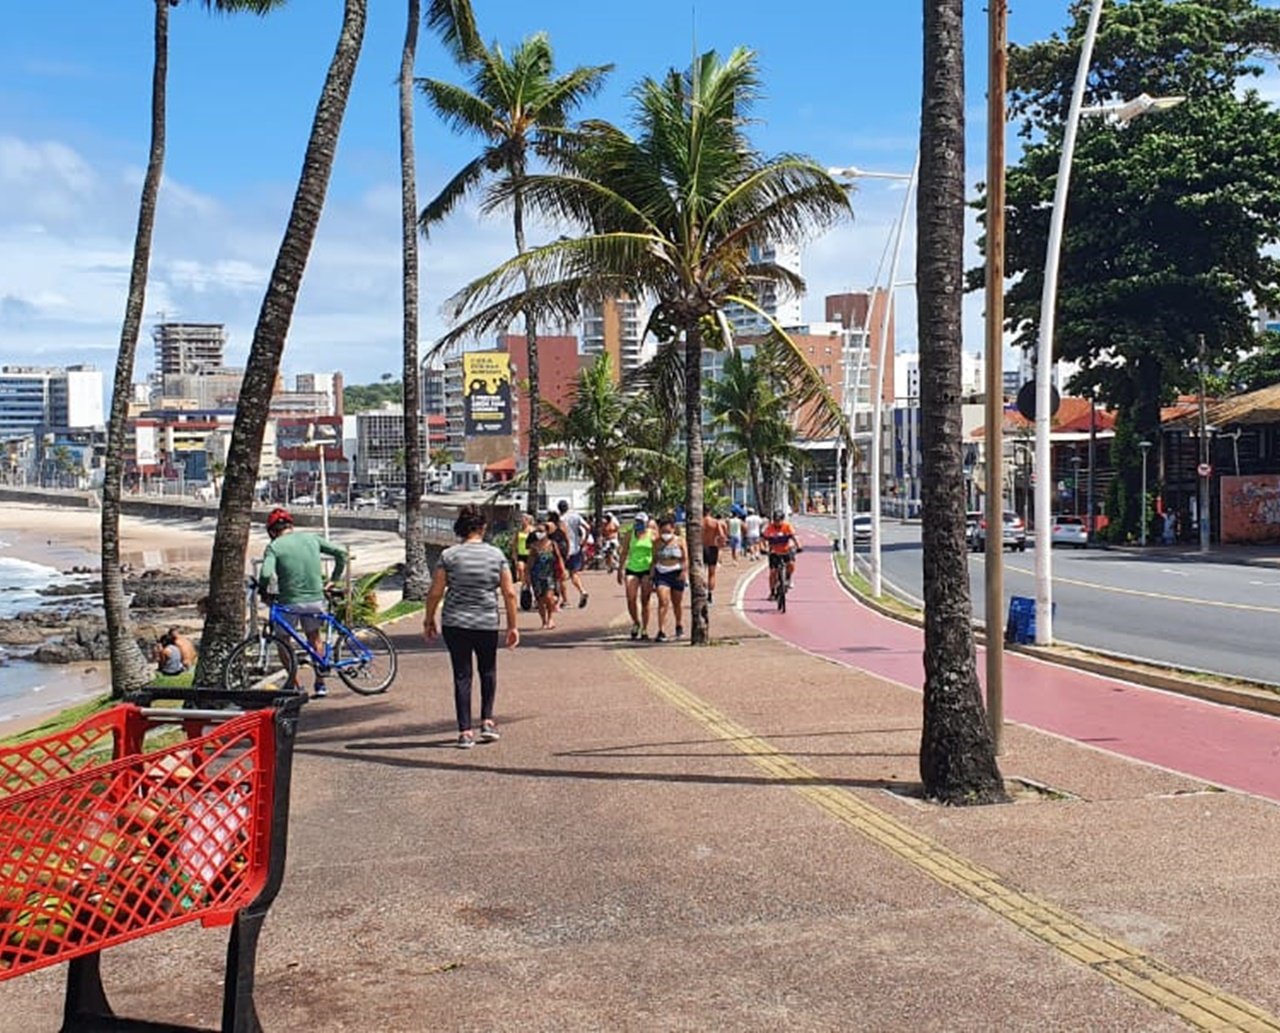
point(165, 589)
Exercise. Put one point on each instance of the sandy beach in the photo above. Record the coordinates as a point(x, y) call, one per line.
point(67, 538)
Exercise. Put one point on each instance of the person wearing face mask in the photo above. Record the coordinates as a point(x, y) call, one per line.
point(634, 565)
point(670, 564)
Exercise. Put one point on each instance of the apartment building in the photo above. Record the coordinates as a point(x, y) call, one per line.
point(614, 326)
point(32, 397)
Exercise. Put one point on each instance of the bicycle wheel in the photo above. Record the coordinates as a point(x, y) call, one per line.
point(782, 594)
point(260, 662)
point(376, 669)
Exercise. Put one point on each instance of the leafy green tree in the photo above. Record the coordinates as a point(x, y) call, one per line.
point(1171, 216)
point(518, 106)
point(957, 757)
point(359, 397)
point(673, 214)
point(223, 625)
point(129, 668)
point(1257, 369)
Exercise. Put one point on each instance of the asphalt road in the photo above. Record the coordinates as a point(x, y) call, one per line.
point(1193, 613)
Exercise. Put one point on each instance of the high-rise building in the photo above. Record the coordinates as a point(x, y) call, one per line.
point(861, 313)
point(614, 326)
point(432, 392)
point(188, 347)
point(781, 304)
point(41, 396)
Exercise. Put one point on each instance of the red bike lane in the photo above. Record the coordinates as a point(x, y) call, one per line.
point(1219, 744)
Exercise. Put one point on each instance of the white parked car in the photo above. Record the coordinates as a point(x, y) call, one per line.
point(1070, 530)
point(862, 527)
point(303, 500)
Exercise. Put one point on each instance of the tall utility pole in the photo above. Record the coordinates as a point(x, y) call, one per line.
point(1205, 471)
point(993, 439)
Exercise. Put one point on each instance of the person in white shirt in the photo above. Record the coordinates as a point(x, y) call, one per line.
point(576, 529)
point(751, 528)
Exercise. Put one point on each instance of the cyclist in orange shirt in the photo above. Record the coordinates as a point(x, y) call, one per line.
point(780, 539)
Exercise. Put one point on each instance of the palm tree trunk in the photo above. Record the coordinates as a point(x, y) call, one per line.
point(699, 635)
point(957, 758)
point(415, 554)
point(129, 668)
point(757, 483)
point(533, 472)
point(223, 627)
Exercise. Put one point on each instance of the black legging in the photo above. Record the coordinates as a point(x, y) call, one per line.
point(462, 642)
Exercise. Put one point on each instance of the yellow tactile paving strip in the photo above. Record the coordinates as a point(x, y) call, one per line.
point(1200, 1004)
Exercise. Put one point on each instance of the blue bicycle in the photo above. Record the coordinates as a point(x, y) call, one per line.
point(362, 656)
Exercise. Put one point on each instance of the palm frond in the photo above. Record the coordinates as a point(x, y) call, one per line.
point(454, 22)
point(462, 110)
point(453, 193)
point(805, 387)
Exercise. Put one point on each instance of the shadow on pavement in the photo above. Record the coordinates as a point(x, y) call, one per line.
point(468, 764)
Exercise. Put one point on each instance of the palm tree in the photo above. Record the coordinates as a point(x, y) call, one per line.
point(675, 214)
point(519, 107)
point(652, 463)
point(957, 757)
point(594, 429)
point(752, 412)
point(223, 625)
point(454, 21)
point(129, 668)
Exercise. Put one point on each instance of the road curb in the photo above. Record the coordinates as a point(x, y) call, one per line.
point(1258, 700)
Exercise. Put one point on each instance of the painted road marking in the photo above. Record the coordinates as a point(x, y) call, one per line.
point(1163, 596)
point(1200, 1004)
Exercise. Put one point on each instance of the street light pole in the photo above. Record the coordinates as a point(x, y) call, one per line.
point(1142, 531)
point(886, 355)
point(1044, 351)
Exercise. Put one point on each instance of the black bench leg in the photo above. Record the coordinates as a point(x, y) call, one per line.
point(238, 1012)
point(86, 1000)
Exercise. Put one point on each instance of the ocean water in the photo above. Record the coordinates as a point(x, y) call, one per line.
point(27, 688)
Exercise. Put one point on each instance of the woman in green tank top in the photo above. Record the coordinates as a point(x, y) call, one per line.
point(637, 558)
point(520, 546)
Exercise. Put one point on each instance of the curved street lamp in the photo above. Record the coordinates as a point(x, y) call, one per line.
point(1120, 112)
point(886, 356)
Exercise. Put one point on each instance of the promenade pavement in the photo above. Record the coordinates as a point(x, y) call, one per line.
point(727, 838)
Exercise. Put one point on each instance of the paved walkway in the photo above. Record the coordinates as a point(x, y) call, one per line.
point(723, 839)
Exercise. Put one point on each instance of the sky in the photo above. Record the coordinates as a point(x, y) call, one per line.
point(842, 85)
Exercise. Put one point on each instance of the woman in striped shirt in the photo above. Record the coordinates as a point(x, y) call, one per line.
point(468, 579)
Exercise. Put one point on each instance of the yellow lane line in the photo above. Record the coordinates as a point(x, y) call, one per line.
point(1163, 596)
point(1200, 1004)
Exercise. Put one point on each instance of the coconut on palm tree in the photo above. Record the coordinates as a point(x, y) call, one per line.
point(224, 623)
point(957, 757)
point(519, 107)
point(674, 213)
point(129, 668)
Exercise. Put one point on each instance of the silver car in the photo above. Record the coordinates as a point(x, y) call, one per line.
point(1070, 530)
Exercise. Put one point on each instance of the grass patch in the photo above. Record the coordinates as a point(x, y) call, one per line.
point(60, 721)
point(173, 681)
point(403, 608)
point(861, 587)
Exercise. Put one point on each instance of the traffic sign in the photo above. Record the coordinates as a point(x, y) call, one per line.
point(1204, 469)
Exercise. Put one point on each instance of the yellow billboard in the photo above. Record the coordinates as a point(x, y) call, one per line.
point(486, 393)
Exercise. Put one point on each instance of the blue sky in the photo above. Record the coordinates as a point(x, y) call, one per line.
point(842, 80)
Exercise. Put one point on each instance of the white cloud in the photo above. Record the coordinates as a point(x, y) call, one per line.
point(63, 276)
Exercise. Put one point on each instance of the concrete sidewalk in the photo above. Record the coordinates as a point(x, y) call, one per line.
point(727, 838)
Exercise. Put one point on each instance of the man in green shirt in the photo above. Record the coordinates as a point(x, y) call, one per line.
point(292, 562)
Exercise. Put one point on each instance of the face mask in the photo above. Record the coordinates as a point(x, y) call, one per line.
point(641, 528)
point(667, 536)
